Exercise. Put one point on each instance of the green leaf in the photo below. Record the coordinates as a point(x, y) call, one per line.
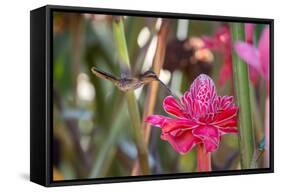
point(118, 30)
point(242, 93)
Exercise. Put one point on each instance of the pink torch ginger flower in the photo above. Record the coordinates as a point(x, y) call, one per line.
point(256, 57)
point(249, 32)
point(249, 38)
point(200, 117)
point(221, 42)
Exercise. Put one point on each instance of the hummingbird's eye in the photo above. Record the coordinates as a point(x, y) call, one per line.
point(150, 74)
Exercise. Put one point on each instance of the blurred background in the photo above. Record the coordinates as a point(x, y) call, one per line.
point(92, 137)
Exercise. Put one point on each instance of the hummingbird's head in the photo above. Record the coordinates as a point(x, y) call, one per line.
point(149, 76)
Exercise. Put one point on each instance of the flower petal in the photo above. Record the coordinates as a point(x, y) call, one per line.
point(210, 42)
point(225, 115)
point(229, 126)
point(169, 124)
point(226, 130)
point(182, 142)
point(264, 52)
point(254, 75)
point(187, 102)
point(209, 135)
point(221, 42)
point(249, 54)
point(249, 32)
point(203, 93)
point(225, 102)
point(171, 106)
point(203, 88)
point(156, 120)
point(229, 123)
point(225, 71)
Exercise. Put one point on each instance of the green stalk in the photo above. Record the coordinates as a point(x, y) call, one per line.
point(151, 96)
point(242, 93)
point(119, 34)
point(106, 150)
point(257, 117)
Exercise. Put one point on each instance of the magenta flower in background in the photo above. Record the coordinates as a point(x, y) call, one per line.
point(200, 117)
point(249, 32)
point(256, 57)
point(221, 42)
point(249, 38)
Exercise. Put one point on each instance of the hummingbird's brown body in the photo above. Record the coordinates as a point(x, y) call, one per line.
point(126, 83)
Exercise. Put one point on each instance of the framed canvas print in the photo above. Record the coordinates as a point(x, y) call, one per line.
point(123, 95)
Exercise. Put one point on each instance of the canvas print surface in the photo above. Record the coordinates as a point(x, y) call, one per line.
point(135, 95)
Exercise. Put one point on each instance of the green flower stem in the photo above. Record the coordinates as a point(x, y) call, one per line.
point(257, 117)
point(119, 34)
point(151, 97)
point(242, 93)
point(106, 150)
point(267, 136)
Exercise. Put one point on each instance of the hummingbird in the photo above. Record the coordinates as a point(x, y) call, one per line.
point(130, 83)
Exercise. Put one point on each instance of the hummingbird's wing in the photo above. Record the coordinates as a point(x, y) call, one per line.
point(123, 84)
point(104, 75)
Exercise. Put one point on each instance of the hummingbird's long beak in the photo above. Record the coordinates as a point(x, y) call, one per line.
point(164, 85)
point(168, 89)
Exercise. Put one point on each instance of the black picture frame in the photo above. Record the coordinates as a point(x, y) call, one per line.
point(41, 94)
